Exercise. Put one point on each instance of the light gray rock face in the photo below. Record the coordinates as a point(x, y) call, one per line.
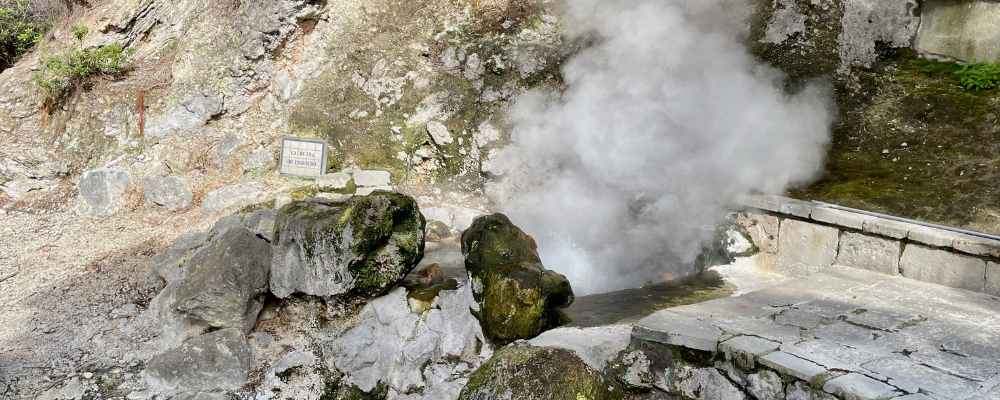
point(763, 230)
point(868, 22)
point(233, 196)
point(805, 248)
point(226, 281)
point(261, 159)
point(216, 361)
point(404, 350)
point(189, 114)
point(943, 268)
point(966, 30)
point(102, 191)
point(362, 246)
point(869, 252)
point(801, 391)
point(169, 192)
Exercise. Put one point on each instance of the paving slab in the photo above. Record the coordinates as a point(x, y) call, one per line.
point(858, 334)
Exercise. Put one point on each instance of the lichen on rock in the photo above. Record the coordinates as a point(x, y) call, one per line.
point(518, 296)
point(362, 246)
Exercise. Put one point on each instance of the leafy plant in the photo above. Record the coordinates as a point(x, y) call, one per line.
point(60, 74)
point(80, 32)
point(981, 76)
point(19, 30)
point(975, 77)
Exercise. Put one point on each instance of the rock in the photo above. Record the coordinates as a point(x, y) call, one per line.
point(259, 160)
point(363, 246)
point(71, 390)
point(805, 248)
point(437, 231)
point(169, 192)
point(518, 296)
point(596, 346)
point(527, 373)
point(632, 369)
point(439, 133)
point(191, 113)
point(394, 347)
point(766, 385)
point(226, 281)
point(699, 383)
point(103, 191)
point(372, 178)
point(199, 396)
point(364, 191)
point(232, 196)
point(334, 181)
point(215, 361)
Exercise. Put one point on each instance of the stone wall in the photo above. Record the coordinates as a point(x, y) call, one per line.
point(962, 30)
point(798, 238)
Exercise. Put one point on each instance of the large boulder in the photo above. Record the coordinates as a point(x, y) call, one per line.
point(216, 361)
point(361, 246)
point(169, 192)
point(529, 373)
point(226, 281)
point(518, 297)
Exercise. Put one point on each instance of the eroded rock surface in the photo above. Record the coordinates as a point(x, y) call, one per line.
point(215, 361)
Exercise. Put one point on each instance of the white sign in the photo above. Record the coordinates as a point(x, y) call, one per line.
point(303, 157)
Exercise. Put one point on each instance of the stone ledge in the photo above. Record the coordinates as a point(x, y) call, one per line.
point(809, 212)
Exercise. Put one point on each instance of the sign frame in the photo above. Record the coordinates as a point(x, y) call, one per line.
point(323, 163)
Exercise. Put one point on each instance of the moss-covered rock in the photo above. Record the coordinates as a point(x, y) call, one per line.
point(523, 373)
point(518, 297)
point(363, 246)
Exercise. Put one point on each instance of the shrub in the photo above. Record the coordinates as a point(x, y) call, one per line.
point(60, 74)
point(982, 76)
point(20, 29)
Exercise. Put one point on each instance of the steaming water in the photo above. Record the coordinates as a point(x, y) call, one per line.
point(664, 122)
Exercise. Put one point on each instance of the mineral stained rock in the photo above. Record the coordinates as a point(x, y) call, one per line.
point(521, 373)
point(518, 297)
point(362, 246)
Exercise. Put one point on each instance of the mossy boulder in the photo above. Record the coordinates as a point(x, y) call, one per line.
point(362, 246)
point(518, 297)
point(523, 373)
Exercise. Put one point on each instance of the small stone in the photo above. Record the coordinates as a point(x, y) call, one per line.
point(334, 181)
point(372, 178)
point(102, 191)
point(232, 196)
point(439, 133)
point(169, 192)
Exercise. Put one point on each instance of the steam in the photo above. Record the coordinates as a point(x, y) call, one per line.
point(665, 121)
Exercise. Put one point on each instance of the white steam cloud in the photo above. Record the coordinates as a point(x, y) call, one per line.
point(665, 121)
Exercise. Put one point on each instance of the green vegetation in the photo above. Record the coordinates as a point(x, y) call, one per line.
point(19, 31)
point(61, 73)
point(974, 77)
point(917, 144)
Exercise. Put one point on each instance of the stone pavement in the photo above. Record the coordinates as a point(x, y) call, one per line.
point(843, 333)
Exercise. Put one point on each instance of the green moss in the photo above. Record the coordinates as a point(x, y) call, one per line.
point(250, 209)
point(515, 371)
point(920, 146)
point(304, 192)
